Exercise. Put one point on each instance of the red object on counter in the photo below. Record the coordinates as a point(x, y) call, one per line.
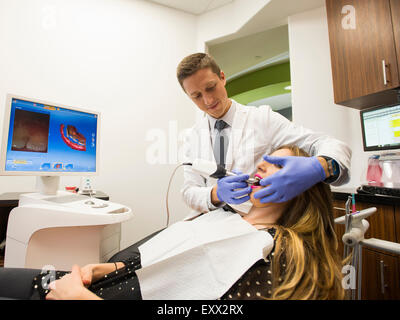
point(71, 189)
point(374, 172)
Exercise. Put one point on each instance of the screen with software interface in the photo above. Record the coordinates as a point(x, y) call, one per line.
point(382, 128)
point(45, 138)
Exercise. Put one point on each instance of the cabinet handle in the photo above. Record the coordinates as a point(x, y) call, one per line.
point(385, 80)
point(383, 285)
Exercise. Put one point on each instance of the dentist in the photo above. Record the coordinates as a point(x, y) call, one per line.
point(238, 137)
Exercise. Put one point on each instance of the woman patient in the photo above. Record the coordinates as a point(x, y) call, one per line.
point(304, 263)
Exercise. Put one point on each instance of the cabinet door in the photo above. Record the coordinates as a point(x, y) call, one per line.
point(380, 276)
point(380, 271)
point(362, 46)
point(397, 219)
point(382, 224)
point(395, 8)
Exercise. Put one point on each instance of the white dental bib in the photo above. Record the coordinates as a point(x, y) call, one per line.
point(200, 259)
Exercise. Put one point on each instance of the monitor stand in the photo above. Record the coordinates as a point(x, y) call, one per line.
point(47, 185)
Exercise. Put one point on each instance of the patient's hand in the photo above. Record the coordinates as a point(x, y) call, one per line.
point(94, 272)
point(87, 273)
point(70, 287)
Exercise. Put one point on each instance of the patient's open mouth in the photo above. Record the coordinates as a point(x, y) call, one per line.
point(257, 183)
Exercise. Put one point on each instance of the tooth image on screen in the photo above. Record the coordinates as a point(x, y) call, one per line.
point(73, 138)
point(31, 131)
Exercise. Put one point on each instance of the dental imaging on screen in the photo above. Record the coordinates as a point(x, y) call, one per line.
point(44, 138)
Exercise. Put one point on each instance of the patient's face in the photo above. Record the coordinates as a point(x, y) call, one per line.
point(265, 169)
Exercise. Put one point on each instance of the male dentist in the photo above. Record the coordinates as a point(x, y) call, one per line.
point(239, 137)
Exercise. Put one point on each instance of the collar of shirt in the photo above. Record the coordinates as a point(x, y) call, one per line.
point(228, 117)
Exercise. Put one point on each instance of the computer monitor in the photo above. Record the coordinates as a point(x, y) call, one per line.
point(48, 140)
point(381, 128)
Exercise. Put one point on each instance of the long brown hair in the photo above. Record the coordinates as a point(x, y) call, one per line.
point(306, 244)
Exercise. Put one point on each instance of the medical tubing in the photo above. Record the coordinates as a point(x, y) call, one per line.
point(169, 185)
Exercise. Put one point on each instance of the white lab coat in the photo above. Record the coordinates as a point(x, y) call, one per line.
point(256, 131)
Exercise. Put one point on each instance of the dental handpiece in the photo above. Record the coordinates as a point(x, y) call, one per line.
point(253, 181)
point(217, 171)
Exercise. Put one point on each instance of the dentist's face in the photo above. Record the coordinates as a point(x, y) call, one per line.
point(265, 169)
point(208, 92)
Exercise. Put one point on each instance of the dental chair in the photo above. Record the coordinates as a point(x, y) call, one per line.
point(18, 281)
point(132, 250)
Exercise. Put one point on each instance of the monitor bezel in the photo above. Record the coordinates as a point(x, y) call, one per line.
point(6, 125)
point(375, 148)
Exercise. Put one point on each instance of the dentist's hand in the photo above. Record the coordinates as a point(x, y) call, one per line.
point(297, 175)
point(227, 189)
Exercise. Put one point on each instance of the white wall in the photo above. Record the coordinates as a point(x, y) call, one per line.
point(115, 56)
point(312, 87)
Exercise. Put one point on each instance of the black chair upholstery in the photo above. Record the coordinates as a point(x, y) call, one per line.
point(16, 283)
point(132, 250)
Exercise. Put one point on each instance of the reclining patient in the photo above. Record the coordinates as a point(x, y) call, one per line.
point(302, 264)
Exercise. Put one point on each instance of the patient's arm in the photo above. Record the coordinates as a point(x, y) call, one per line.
point(73, 286)
point(93, 272)
point(70, 287)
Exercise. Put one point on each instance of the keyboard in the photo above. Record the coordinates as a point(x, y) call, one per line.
point(366, 189)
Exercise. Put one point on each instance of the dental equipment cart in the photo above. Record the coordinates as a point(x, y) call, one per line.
point(61, 230)
point(353, 239)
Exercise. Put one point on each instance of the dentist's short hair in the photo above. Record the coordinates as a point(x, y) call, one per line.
point(194, 62)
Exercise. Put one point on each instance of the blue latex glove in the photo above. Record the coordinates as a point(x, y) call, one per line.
point(297, 175)
point(226, 188)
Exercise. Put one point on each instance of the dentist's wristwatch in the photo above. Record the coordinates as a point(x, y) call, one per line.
point(333, 169)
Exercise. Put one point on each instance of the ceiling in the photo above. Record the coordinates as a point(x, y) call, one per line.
point(196, 7)
point(240, 54)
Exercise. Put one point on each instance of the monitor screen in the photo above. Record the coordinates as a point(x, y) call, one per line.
point(44, 138)
point(381, 128)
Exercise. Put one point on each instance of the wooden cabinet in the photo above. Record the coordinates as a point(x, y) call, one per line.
point(395, 7)
point(397, 215)
point(380, 276)
point(365, 51)
point(380, 269)
point(382, 223)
